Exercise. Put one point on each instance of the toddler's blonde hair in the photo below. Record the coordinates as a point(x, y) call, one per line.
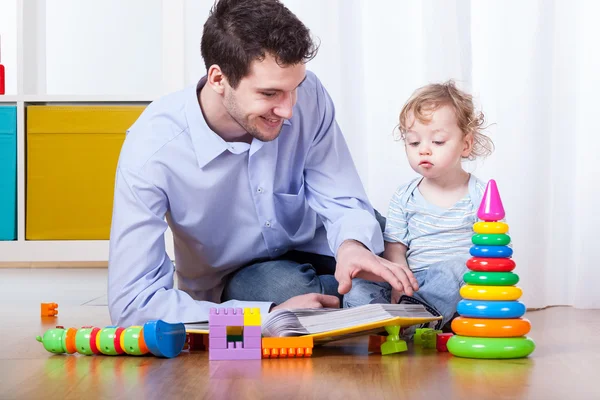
point(429, 98)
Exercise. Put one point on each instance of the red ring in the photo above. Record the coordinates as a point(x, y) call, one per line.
point(491, 264)
point(93, 335)
point(118, 334)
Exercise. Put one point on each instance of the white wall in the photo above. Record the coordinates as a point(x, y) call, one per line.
point(8, 35)
point(103, 47)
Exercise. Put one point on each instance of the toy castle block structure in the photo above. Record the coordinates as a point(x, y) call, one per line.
point(491, 323)
point(234, 334)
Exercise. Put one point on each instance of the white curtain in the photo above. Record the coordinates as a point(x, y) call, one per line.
point(533, 67)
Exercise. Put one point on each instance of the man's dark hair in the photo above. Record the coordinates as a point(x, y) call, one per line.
point(238, 32)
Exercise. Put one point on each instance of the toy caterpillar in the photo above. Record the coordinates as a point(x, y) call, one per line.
point(158, 338)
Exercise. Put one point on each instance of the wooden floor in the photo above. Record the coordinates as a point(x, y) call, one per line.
point(565, 365)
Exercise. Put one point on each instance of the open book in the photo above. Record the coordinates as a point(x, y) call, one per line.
point(328, 324)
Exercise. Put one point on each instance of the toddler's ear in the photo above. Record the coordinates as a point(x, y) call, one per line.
point(467, 145)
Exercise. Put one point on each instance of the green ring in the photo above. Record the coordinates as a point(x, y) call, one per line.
point(491, 278)
point(491, 239)
point(490, 348)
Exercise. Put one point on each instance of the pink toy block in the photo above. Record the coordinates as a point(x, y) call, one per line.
point(234, 351)
point(226, 317)
point(252, 342)
point(252, 331)
point(491, 208)
point(217, 343)
point(217, 332)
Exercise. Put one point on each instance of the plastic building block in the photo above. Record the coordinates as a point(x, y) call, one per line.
point(425, 337)
point(429, 339)
point(375, 342)
point(217, 331)
point(49, 309)
point(393, 343)
point(252, 337)
point(197, 342)
point(252, 317)
point(283, 347)
point(442, 340)
point(226, 317)
point(234, 334)
point(252, 331)
point(234, 351)
point(158, 338)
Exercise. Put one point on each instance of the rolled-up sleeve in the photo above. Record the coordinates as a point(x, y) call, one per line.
point(140, 272)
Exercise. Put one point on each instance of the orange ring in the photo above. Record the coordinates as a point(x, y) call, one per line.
point(70, 345)
point(493, 327)
point(142, 343)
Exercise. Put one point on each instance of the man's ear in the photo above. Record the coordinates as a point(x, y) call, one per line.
point(216, 79)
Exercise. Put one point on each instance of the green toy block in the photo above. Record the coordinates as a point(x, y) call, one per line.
point(393, 343)
point(429, 339)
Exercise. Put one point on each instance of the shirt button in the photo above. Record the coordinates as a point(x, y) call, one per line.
point(259, 190)
point(268, 224)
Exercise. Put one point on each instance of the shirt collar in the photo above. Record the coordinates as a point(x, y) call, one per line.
point(207, 144)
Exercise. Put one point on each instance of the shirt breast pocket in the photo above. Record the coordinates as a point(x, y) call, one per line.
point(291, 209)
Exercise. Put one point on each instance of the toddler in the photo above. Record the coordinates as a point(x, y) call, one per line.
point(430, 219)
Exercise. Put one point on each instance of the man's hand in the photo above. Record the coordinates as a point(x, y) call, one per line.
point(310, 300)
point(356, 261)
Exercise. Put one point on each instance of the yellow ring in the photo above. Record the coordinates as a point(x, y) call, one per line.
point(478, 292)
point(490, 227)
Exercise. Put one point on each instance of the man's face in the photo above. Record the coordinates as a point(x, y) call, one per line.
point(265, 97)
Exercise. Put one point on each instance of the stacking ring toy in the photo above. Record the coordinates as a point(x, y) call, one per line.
point(491, 251)
point(491, 239)
point(490, 227)
point(491, 264)
point(477, 292)
point(490, 348)
point(482, 327)
point(491, 278)
point(490, 309)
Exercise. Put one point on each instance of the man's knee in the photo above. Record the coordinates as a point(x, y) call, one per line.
point(275, 281)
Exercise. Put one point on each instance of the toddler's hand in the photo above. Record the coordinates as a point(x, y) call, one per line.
point(396, 294)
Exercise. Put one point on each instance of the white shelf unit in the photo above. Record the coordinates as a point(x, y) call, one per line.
point(31, 89)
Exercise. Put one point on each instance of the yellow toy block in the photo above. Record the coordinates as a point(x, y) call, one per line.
point(252, 317)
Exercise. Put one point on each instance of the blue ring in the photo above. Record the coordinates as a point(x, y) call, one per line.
point(491, 251)
point(490, 309)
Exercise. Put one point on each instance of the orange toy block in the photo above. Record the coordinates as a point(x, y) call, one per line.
point(285, 347)
point(49, 309)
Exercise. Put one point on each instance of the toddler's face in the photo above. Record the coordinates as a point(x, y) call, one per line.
point(436, 148)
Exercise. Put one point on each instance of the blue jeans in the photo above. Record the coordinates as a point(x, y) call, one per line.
point(439, 287)
point(278, 280)
point(293, 274)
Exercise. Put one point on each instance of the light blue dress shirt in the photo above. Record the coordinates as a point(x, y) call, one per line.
point(227, 203)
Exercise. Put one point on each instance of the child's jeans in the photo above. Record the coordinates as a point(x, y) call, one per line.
point(439, 287)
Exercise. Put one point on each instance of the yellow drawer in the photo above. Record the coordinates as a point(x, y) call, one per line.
point(72, 154)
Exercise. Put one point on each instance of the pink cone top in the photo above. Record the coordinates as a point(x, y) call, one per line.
point(491, 208)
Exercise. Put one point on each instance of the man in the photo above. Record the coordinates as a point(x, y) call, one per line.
point(254, 178)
